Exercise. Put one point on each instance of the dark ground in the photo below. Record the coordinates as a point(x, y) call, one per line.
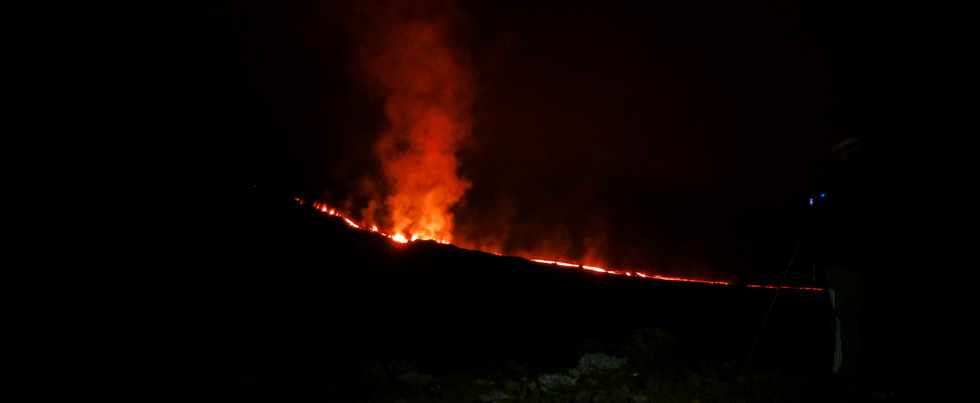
point(322, 310)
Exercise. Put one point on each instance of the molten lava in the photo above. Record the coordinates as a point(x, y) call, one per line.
point(409, 55)
point(402, 239)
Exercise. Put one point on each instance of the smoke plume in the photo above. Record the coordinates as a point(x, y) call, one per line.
point(426, 86)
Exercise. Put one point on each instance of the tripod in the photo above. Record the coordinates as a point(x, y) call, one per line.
point(772, 304)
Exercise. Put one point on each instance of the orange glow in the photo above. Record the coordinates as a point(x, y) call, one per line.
point(399, 237)
point(428, 90)
point(554, 262)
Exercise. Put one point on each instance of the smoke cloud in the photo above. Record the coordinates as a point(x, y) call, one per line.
point(405, 54)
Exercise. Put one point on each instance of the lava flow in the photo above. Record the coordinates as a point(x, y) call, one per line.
point(403, 239)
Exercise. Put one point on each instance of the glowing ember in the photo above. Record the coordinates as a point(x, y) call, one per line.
point(401, 238)
point(555, 262)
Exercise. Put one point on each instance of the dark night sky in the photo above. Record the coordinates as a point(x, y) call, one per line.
point(672, 134)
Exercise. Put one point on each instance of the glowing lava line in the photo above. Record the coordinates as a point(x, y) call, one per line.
point(402, 239)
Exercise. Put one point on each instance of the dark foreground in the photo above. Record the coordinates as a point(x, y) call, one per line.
point(325, 312)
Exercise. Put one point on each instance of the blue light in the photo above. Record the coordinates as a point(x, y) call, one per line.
point(822, 195)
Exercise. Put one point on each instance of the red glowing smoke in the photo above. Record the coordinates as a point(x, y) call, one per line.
point(427, 89)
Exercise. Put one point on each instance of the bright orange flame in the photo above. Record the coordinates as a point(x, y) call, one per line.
point(428, 90)
point(555, 262)
point(688, 280)
point(400, 238)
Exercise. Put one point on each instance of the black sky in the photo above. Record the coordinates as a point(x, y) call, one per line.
point(674, 134)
